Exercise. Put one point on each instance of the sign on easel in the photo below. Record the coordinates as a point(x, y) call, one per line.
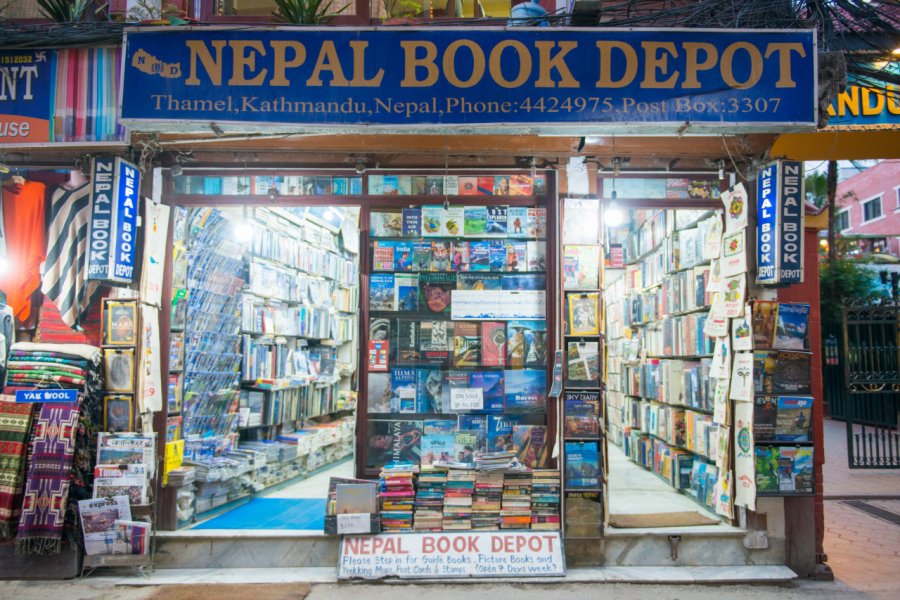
point(444, 555)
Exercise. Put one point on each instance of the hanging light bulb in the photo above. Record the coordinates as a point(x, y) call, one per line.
point(243, 229)
point(613, 215)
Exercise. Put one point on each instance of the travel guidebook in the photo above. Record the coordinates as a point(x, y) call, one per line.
point(526, 390)
point(435, 342)
point(493, 343)
point(406, 292)
point(431, 220)
point(459, 256)
point(411, 222)
point(499, 431)
point(379, 393)
point(495, 225)
point(516, 255)
point(466, 344)
point(479, 281)
point(428, 390)
point(581, 267)
point(528, 442)
point(453, 221)
point(475, 221)
point(390, 440)
point(492, 385)
point(480, 256)
point(421, 257)
point(526, 343)
point(381, 292)
point(582, 414)
point(440, 257)
point(497, 255)
point(438, 447)
point(583, 364)
point(407, 342)
point(517, 222)
point(403, 255)
point(521, 281)
point(403, 390)
point(582, 465)
point(435, 291)
point(386, 224)
point(791, 326)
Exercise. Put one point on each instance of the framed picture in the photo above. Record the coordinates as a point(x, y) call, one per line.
point(119, 368)
point(584, 314)
point(117, 413)
point(120, 325)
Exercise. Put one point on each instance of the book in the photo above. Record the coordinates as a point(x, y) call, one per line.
point(434, 291)
point(403, 255)
point(523, 281)
point(393, 441)
point(453, 221)
point(471, 423)
point(428, 390)
point(475, 221)
point(421, 260)
point(765, 317)
point(459, 256)
point(451, 185)
point(525, 391)
point(468, 186)
point(582, 465)
point(381, 292)
point(174, 388)
point(431, 220)
point(480, 256)
point(403, 390)
point(434, 186)
point(407, 342)
point(390, 186)
point(516, 222)
point(404, 185)
point(440, 257)
point(526, 344)
point(439, 426)
point(497, 255)
point(766, 469)
point(528, 442)
point(581, 267)
point(466, 344)
point(411, 222)
point(438, 447)
point(520, 185)
point(495, 225)
point(493, 343)
point(537, 222)
point(580, 221)
point(378, 393)
point(436, 342)
point(582, 414)
point(492, 386)
point(792, 373)
point(419, 185)
point(501, 185)
point(406, 292)
point(791, 326)
point(516, 255)
point(383, 256)
point(453, 380)
point(479, 281)
point(582, 364)
point(765, 414)
point(466, 445)
point(385, 224)
point(537, 255)
point(485, 185)
point(499, 431)
point(584, 314)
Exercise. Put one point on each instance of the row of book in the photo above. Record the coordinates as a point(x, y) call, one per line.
point(458, 256)
point(263, 317)
point(462, 185)
point(260, 185)
point(429, 390)
point(346, 298)
point(306, 257)
point(432, 292)
point(780, 325)
point(514, 344)
point(782, 418)
point(675, 382)
point(784, 470)
point(267, 359)
point(461, 221)
point(679, 427)
point(680, 292)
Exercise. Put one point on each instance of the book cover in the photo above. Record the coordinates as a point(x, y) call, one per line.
point(378, 393)
point(452, 380)
point(468, 186)
point(516, 255)
point(459, 256)
point(419, 185)
point(421, 260)
point(764, 371)
point(439, 426)
point(765, 318)
point(385, 224)
point(390, 187)
point(767, 459)
point(803, 470)
point(475, 221)
point(434, 291)
point(582, 414)
point(173, 404)
point(537, 222)
point(403, 390)
point(403, 255)
point(580, 221)
point(466, 344)
point(791, 326)
point(466, 445)
point(583, 364)
point(526, 343)
point(520, 185)
point(381, 292)
point(496, 221)
point(529, 444)
point(428, 390)
point(434, 186)
point(440, 257)
point(794, 419)
point(479, 281)
point(765, 413)
point(501, 185)
point(323, 186)
point(391, 440)
point(411, 222)
point(431, 220)
point(438, 447)
point(436, 341)
point(499, 431)
point(480, 256)
point(452, 221)
point(407, 342)
point(584, 314)
point(581, 267)
point(451, 185)
point(497, 255)
point(582, 465)
point(485, 185)
point(383, 256)
point(406, 292)
point(471, 423)
point(537, 256)
point(792, 373)
point(516, 222)
point(356, 186)
point(493, 344)
point(524, 281)
point(378, 355)
point(404, 185)
point(491, 383)
point(526, 391)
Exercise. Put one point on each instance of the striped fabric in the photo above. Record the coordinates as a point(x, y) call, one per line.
point(85, 97)
point(64, 277)
point(15, 425)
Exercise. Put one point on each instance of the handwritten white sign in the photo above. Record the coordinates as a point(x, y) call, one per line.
point(444, 555)
point(353, 523)
point(466, 399)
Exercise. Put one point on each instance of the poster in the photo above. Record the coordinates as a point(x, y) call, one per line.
point(735, 201)
point(742, 377)
point(744, 463)
point(735, 296)
point(742, 331)
point(734, 254)
point(156, 230)
point(150, 387)
point(497, 304)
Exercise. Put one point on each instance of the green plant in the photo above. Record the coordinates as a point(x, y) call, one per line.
point(64, 11)
point(402, 8)
point(151, 10)
point(843, 280)
point(305, 12)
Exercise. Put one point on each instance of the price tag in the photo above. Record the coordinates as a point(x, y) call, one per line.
point(467, 399)
point(353, 523)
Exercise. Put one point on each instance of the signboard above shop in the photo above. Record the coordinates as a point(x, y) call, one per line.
point(519, 79)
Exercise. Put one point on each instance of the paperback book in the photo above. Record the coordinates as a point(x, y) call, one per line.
point(466, 344)
point(493, 344)
point(459, 256)
point(407, 342)
point(428, 391)
point(403, 390)
point(480, 256)
point(383, 256)
point(529, 444)
point(516, 222)
point(582, 416)
point(497, 255)
point(440, 257)
point(378, 393)
point(438, 447)
point(526, 344)
point(435, 342)
point(495, 225)
point(431, 220)
point(581, 267)
point(537, 256)
point(522, 281)
point(584, 313)
point(406, 292)
point(499, 431)
point(791, 326)
point(537, 221)
point(412, 222)
point(526, 391)
point(421, 257)
point(403, 255)
point(583, 364)
point(479, 281)
point(453, 221)
point(381, 292)
point(516, 255)
point(475, 221)
point(582, 465)
point(386, 224)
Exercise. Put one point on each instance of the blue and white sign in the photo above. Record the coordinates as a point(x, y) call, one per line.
point(356, 78)
point(115, 184)
point(779, 223)
point(54, 396)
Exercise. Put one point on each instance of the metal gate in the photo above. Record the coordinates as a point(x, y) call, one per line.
point(871, 357)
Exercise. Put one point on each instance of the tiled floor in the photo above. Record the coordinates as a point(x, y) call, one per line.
point(316, 486)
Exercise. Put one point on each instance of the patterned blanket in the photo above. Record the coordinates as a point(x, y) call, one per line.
point(15, 425)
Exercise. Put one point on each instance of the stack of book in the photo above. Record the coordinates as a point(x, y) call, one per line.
point(545, 499)
point(430, 499)
point(458, 500)
point(487, 499)
point(494, 461)
point(398, 493)
point(515, 512)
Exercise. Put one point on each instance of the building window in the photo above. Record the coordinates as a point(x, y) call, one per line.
point(879, 246)
point(871, 209)
point(842, 220)
point(897, 193)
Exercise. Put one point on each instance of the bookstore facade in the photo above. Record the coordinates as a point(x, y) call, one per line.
point(478, 355)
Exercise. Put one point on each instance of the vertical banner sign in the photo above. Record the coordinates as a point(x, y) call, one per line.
point(779, 223)
point(25, 84)
point(114, 212)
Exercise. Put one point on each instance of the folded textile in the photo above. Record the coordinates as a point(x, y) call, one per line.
point(54, 369)
point(44, 378)
point(15, 425)
point(44, 358)
point(91, 353)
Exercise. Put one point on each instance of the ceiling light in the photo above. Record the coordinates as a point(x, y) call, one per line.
point(612, 215)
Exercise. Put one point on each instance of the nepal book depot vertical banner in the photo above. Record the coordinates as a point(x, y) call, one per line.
point(115, 185)
point(779, 223)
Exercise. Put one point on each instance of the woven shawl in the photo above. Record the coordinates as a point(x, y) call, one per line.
point(49, 476)
point(15, 424)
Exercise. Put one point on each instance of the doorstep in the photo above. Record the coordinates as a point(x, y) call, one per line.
point(679, 575)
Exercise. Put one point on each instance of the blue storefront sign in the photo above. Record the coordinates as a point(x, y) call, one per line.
point(779, 225)
point(26, 81)
point(54, 396)
point(870, 103)
point(758, 79)
point(115, 184)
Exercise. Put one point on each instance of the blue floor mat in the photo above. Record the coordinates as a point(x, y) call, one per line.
point(272, 513)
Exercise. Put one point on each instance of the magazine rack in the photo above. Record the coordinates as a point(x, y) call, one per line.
point(143, 563)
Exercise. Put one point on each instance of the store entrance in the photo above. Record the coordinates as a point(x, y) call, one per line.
point(262, 360)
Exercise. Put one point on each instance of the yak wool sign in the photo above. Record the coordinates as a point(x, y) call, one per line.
point(469, 554)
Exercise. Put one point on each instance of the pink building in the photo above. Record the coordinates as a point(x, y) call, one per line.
point(869, 209)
